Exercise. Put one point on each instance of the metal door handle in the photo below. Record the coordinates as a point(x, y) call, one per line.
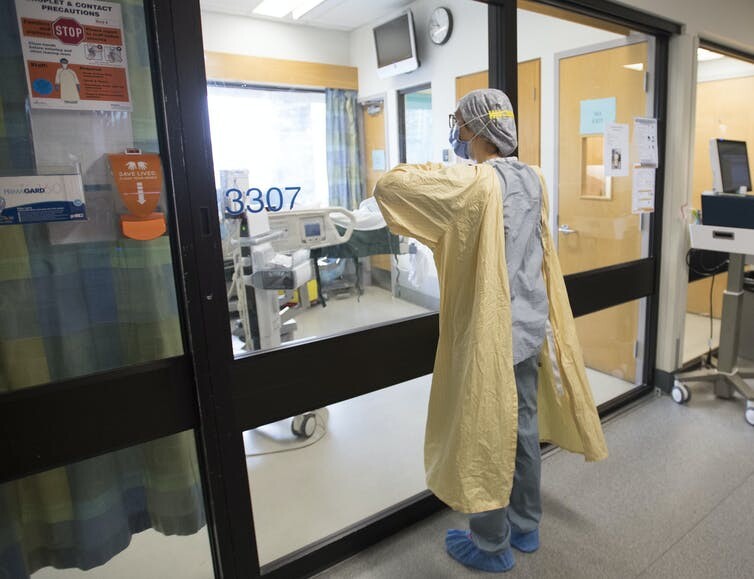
point(565, 230)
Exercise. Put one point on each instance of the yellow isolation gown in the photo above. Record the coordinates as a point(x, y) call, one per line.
point(470, 441)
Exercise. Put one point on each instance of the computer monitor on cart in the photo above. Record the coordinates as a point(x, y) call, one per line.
point(730, 166)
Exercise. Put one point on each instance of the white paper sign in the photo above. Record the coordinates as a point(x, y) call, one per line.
point(74, 54)
point(643, 190)
point(616, 151)
point(645, 142)
point(41, 198)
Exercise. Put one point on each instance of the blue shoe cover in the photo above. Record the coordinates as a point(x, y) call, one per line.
point(525, 542)
point(460, 546)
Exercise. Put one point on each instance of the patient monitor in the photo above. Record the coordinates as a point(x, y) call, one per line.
point(309, 228)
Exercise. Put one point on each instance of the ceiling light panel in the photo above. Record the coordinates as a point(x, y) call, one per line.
point(276, 8)
point(702, 54)
point(304, 7)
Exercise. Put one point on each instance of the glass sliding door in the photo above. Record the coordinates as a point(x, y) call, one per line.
point(328, 327)
point(597, 78)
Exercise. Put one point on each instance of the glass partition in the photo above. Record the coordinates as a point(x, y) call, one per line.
point(582, 84)
point(86, 274)
point(612, 341)
point(601, 93)
point(134, 512)
point(302, 128)
point(317, 475)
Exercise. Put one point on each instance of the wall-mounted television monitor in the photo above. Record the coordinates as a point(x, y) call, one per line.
point(395, 41)
point(730, 165)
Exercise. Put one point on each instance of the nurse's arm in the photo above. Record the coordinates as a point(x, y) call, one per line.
point(420, 200)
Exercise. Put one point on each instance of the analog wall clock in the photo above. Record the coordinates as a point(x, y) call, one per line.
point(440, 25)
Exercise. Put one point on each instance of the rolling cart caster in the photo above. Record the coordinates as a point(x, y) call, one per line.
point(750, 412)
point(304, 425)
point(680, 393)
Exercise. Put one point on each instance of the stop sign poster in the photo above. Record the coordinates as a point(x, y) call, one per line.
point(75, 54)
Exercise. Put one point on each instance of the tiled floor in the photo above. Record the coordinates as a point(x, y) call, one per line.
point(675, 499)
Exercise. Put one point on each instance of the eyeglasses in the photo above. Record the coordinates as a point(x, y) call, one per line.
point(452, 121)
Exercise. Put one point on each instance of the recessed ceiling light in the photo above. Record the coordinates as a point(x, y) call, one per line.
point(636, 66)
point(702, 54)
point(304, 7)
point(275, 8)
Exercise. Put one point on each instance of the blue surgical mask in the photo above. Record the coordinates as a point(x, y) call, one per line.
point(460, 147)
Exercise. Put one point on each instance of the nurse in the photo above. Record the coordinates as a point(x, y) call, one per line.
point(487, 226)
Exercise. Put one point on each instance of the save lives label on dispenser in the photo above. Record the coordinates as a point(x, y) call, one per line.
point(41, 198)
point(74, 54)
point(138, 178)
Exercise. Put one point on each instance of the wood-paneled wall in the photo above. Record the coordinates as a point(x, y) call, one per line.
point(222, 66)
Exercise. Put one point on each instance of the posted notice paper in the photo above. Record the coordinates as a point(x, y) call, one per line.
point(645, 142)
point(74, 54)
point(643, 190)
point(616, 151)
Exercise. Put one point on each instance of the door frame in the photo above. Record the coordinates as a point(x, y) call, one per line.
point(400, 94)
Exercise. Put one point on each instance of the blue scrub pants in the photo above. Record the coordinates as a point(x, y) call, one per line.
point(491, 531)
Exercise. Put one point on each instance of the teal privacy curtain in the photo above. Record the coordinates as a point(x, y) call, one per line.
point(344, 168)
point(71, 309)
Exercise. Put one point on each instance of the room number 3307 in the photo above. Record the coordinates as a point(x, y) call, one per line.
point(254, 200)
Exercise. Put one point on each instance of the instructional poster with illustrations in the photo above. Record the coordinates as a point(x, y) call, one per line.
point(74, 54)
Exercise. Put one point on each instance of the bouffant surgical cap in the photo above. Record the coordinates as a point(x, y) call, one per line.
point(488, 113)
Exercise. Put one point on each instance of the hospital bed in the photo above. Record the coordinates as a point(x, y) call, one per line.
point(274, 255)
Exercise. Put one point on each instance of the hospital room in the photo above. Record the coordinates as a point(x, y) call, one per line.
point(244, 369)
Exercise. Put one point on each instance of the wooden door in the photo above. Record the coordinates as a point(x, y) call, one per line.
point(603, 230)
point(468, 82)
point(529, 106)
point(373, 119)
point(529, 111)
